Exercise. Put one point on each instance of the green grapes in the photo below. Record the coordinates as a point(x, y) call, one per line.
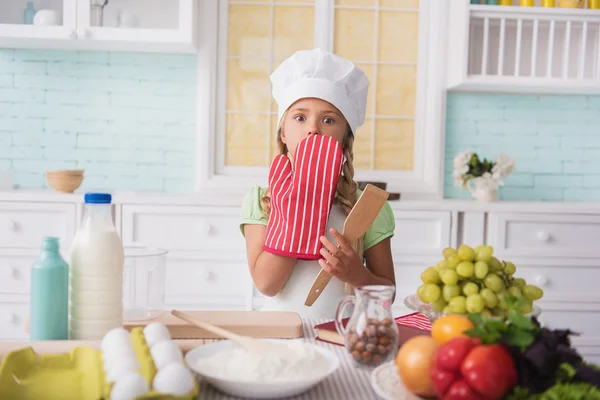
point(481, 269)
point(430, 275)
point(472, 280)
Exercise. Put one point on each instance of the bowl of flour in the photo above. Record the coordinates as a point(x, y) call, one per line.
point(269, 375)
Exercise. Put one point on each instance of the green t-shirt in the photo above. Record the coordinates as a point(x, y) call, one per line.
point(382, 228)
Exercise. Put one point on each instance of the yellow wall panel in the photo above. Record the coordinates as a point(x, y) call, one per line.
point(248, 86)
point(354, 34)
point(369, 70)
point(290, 30)
point(394, 144)
point(401, 3)
point(396, 90)
point(363, 3)
point(245, 139)
point(362, 145)
point(248, 30)
point(273, 147)
point(398, 36)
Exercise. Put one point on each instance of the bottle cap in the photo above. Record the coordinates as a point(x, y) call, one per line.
point(98, 198)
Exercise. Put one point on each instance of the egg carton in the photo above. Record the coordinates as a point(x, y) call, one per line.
point(86, 373)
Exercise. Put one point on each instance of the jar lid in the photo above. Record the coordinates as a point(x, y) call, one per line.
point(98, 198)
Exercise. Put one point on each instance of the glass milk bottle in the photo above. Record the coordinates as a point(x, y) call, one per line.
point(96, 272)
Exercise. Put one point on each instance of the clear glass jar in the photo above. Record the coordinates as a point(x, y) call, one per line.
point(371, 335)
point(143, 283)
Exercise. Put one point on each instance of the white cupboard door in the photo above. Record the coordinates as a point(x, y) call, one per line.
point(421, 232)
point(25, 224)
point(56, 20)
point(165, 26)
point(183, 228)
point(544, 234)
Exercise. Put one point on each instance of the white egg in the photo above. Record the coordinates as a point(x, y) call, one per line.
point(118, 349)
point(128, 387)
point(121, 366)
point(166, 352)
point(174, 379)
point(156, 332)
point(129, 363)
point(115, 337)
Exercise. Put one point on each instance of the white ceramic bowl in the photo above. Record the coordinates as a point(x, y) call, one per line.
point(262, 390)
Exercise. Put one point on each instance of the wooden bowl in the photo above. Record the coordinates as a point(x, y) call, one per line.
point(64, 181)
point(65, 172)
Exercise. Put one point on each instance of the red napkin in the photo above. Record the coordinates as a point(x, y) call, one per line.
point(301, 198)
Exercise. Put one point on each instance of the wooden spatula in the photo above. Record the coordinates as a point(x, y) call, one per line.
point(253, 345)
point(359, 220)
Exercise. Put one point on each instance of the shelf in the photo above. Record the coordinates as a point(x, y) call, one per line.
point(524, 49)
point(163, 26)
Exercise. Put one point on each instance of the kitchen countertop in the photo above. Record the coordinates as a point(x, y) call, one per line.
point(234, 199)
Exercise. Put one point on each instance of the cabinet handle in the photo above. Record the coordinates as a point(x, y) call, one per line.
point(11, 318)
point(11, 225)
point(8, 271)
point(206, 228)
point(540, 280)
point(73, 34)
point(205, 275)
point(543, 236)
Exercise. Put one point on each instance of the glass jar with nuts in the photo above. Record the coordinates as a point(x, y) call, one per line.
point(370, 335)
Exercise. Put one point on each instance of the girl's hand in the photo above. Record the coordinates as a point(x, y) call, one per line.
point(342, 261)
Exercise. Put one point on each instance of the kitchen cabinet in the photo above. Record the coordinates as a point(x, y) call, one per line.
point(167, 26)
point(24, 224)
point(516, 49)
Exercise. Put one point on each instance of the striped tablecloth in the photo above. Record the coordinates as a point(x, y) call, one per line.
point(347, 383)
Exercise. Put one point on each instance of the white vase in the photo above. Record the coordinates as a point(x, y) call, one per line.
point(481, 190)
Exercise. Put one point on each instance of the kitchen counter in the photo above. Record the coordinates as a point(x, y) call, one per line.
point(235, 199)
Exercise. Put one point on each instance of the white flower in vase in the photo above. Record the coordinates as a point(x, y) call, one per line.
point(481, 177)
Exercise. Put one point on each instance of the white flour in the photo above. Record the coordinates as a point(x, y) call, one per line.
point(238, 364)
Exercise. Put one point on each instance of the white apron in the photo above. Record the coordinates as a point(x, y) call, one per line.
point(293, 295)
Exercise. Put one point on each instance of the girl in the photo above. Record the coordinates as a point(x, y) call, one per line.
point(318, 93)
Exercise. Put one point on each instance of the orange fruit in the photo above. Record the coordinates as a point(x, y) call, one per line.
point(447, 327)
point(414, 362)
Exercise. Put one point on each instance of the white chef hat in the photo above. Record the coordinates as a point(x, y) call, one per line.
point(323, 75)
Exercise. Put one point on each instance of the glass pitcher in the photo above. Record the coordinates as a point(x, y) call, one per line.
point(370, 335)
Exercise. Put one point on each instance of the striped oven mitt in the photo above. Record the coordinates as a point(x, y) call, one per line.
point(302, 197)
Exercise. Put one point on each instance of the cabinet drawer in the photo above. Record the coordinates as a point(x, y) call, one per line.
point(419, 232)
point(562, 280)
point(201, 280)
point(585, 319)
point(15, 268)
point(545, 234)
point(12, 320)
point(183, 228)
point(23, 224)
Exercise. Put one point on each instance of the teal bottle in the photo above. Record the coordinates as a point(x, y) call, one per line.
point(28, 13)
point(49, 303)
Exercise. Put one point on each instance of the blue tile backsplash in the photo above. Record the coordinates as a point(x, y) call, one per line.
point(127, 118)
point(555, 141)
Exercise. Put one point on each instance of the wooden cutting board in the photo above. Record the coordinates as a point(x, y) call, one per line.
point(258, 324)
